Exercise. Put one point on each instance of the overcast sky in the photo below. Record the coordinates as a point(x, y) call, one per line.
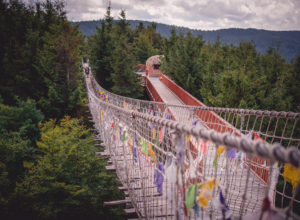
point(198, 14)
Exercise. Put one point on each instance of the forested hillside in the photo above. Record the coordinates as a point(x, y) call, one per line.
point(116, 48)
point(233, 76)
point(48, 168)
point(288, 42)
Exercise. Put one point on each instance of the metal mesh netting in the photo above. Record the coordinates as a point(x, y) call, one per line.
point(199, 166)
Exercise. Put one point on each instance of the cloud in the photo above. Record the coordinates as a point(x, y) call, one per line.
point(201, 14)
point(144, 13)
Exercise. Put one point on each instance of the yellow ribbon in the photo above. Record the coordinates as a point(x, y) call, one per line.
point(220, 150)
point(291, 174)
point(187, 138)
point(130, 143)
point(151, 153)
point(206, 192)
point(101, 115)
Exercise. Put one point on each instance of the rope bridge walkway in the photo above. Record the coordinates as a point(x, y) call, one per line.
point(179, 162)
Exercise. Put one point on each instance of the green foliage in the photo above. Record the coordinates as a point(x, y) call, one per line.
point(125, 81)
point(39, 56)
point(18, 133)
point(59, 65)
point(56, 177)
point(111, 53)
point(182, 60)
point(292, 79)
point(23, 118)
point(101, 47)
point(22, 29)
point(14, 150)
point(143, 47)
point(66, 181)
point(230, 76)
point(146, 43)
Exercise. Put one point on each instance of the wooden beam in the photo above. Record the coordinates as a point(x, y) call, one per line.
point(122, 188)
point(110, 168)
point(141, 197)
point(118, 202)
point(102, 158)
point(129, 211)
point(104, 153)
point(135, 188)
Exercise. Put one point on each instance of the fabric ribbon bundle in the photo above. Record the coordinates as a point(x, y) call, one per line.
point(159, 177)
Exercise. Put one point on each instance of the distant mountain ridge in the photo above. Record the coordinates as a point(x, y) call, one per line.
point(287, 41)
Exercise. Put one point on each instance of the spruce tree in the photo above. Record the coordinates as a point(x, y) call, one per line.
point(101, 48)
point(125, 81)
point(59, 63)
point(182, 61)
point(143, 46)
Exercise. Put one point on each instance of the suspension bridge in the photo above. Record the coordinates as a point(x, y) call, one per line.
point(179, 159)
